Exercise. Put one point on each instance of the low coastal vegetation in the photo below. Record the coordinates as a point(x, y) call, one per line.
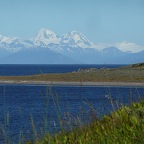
point(125, 126)
point(131, 73)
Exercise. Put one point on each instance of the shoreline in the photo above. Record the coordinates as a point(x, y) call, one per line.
point(64, 83)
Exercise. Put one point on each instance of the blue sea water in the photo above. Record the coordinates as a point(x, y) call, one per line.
point(20, 105)
point(17, 70)
point(20, 102)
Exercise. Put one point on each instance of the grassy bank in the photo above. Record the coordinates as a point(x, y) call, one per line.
point(132, 73)
point(125, 126)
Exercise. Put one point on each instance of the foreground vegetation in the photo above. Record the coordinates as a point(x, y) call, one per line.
point(125, 126)
point(132, 73)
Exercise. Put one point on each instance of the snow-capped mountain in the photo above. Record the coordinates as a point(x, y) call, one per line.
point(48, 37)
point(7, 45)
point(72, 47)
point(129, 46)
point(6, 40)
point(45, 36)
point(76, 39)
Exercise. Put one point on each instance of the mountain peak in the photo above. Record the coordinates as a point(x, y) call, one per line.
point(76, 38)
point(44, 31)
point(75, 32)
point(45, 36)
point(7, 40)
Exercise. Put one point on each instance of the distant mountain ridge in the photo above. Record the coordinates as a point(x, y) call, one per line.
point(71, 48)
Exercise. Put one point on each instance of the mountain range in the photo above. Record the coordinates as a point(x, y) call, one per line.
point(46, 47)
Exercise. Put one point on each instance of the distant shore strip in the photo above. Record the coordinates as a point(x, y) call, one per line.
point(64, 83)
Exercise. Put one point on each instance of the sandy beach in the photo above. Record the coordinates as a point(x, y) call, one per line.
point(63, 83)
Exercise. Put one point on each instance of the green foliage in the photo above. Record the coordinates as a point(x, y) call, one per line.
point(125, 126)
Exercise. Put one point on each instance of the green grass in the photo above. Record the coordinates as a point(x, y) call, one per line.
point(125, 126)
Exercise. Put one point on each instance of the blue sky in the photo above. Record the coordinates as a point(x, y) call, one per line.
point(105, 21)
